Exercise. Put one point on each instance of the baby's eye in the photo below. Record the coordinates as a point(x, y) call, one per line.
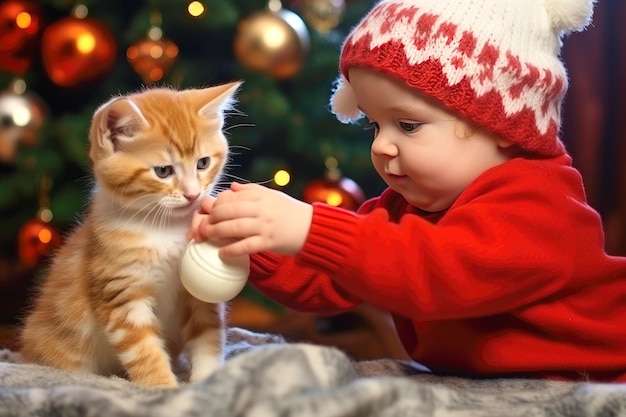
point(203, 163)
point(164, 171)
point(409, 126)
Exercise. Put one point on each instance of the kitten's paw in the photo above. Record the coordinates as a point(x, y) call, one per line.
point(203, 367)
point(162, 380)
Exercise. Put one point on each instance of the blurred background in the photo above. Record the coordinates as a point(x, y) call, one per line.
point(61, 59)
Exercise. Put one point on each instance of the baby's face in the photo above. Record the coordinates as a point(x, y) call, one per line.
point(420, 149)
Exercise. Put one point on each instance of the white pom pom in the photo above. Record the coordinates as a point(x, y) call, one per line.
point(569, 15)
point(343, 102)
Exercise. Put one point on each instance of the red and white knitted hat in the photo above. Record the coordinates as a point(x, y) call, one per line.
point(495, 62)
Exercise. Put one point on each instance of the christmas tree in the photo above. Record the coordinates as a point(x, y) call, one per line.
point(59, 60)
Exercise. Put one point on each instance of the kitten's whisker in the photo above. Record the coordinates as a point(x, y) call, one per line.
point(237, 178)
point(231, 146)
point(233, 111)
point(218, 190)
point(166, 216)
point(229, 128)
point(148, 214)
point(223, 185)
point(128, 206)
point(161, 216)
point(153, 215)
point(142, 211)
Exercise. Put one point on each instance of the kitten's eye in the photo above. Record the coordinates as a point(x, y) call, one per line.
point(409, 126)
point(164, 171)
point(203, 163)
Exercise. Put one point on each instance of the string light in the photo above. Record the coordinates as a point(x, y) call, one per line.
point(275, 5)
point(195, 8)
point(80, 11)
point(282, 178)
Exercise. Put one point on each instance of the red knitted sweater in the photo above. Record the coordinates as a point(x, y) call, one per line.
point(512, 280)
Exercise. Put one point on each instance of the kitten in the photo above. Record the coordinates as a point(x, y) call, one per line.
point(112, 300)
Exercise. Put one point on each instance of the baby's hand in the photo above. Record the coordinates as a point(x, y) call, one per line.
point(196, 231)
point(253, 218)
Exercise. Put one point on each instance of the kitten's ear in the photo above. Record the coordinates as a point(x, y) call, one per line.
point(218, 99)
point(116, 122)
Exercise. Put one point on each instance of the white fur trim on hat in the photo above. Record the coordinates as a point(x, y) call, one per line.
point(343, 102)
point(569, 15)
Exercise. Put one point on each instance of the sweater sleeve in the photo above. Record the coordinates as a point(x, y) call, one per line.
point(287, 279)
point(516, 235)
point(301, 288)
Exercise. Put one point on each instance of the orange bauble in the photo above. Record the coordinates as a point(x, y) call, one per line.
point(342, 192)
point(20, 23)
point(36, 240)
point(77, 52)
point(151, 59)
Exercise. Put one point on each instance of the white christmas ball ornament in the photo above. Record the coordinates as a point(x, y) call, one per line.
point(210, 278)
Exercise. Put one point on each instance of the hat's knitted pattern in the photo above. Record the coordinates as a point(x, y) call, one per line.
point(495, 62)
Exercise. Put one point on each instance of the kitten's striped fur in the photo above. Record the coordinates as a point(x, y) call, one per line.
point(112, 299)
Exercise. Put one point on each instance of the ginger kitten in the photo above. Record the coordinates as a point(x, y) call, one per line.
point(112, 300)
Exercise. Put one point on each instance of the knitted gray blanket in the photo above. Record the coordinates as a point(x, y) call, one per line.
point(265, 376)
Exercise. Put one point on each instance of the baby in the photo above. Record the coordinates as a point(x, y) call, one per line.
point(483, 247)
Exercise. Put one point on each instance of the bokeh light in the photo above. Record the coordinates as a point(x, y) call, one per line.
point(195, 8)
point(282, 178)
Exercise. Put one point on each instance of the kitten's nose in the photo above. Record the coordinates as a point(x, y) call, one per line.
point(192, 197)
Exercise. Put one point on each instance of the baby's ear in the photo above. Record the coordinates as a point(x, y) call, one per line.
point(115, 123)
point(503, 143)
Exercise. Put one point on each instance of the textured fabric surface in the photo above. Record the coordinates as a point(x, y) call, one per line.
point(264, 376)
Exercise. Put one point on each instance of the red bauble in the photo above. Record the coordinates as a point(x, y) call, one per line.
point(20, 23)
point(36, 240)
point(77, 52)
point(343, 192)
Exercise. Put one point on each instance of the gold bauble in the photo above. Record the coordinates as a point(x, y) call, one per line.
point(22, 114)
point(323, 15)
point(274, 43)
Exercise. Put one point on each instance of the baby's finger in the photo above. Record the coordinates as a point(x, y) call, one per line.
point(239, 228)
point(207, 205)
point(237, 186)
point(195, 220)
point(195, 223)
point(223, 196)
point(195, 232)
point(246, 246)
point(234, 210)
